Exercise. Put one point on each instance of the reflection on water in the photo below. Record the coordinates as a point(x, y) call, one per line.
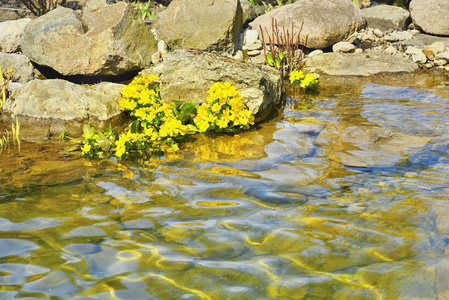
point(344, 199)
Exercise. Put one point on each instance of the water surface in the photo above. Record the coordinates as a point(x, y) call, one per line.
point(345, 197)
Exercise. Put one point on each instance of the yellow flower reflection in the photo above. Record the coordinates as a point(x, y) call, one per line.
point(128, 255)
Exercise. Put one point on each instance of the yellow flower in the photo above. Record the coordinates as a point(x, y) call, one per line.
point(296, 76)
point(120, 148)
point(86, 148)
point(222, 123)
point(216, 107)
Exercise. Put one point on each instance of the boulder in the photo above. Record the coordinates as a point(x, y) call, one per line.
point(325, 22)
point(386, 17)
point(10, 34)
point(431, 15)
point(200, 24)
point(339, 64)
point(250, 12)
point(187, 76)
point(22, 69)
point(109, 40)
point(66, 103)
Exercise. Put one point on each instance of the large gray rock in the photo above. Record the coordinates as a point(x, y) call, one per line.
point(22, 69)
point(339, 64)
point(431, 15)
point(325, 22)
point(10, 34)
point(59, 100)
point(110, 40)
point(200, 24)
point(188, 75)
point(386, 17)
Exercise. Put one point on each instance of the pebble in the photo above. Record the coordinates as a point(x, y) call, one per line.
point(358, 51)
point(378, 33)
point(254, 52)
point(419, 57)
point(428, 65)
point(352, 38)
point(440, 62)
point(238, 56)
point(315, 52)
point(255, 46)
point(343, 47)
point(444, 55)
point(412, 50)
point(162, 48)
point(250, 37)
point(260, 59)
point(391, 50)
point(397, 36)
point(156, 58)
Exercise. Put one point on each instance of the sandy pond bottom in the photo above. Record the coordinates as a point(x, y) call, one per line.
point(347, 199)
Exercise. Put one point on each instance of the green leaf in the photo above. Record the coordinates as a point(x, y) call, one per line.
point(270, 60)
point(282, 55)
point(187, 110)
point(135, 126)
point(88, 129)
point(176, 104)
point(103, 142)
point(71, 148)
point(108, 130)
point(191, 129)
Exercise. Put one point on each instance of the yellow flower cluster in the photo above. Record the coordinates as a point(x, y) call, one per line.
point(157, 122)
point(307, 81)
point(225, 111)
point(141, 91)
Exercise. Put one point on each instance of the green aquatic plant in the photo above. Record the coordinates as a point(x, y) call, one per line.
point(268, 7)
point(64, 135)
point(253, 2)
point(285, 53)
point(4, 84)
point(97, 144)
point(4, 141)
point(145, 10)
point(306, 81)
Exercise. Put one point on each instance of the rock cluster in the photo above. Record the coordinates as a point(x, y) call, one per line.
point(111, 40)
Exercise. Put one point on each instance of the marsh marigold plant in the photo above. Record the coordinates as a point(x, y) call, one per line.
point(225, 110)
point(157, 127)
point(307, 81)
point(160, 126)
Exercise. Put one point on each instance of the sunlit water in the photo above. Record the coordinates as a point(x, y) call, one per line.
point(345, 200)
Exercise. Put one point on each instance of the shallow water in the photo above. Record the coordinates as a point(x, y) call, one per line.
point(347, 199)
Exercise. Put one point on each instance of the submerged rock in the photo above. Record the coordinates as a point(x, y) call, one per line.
point(325, 22)
point(368, 146)
point(109, 40)
point(188, 75)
